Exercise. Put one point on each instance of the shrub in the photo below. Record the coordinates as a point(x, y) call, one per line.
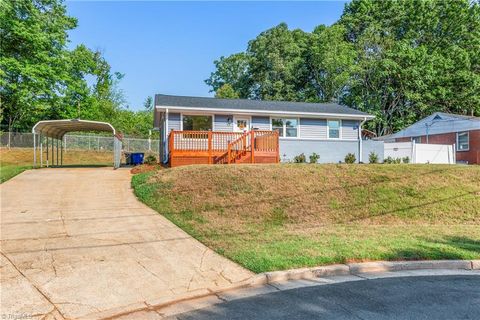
point(390, 160)
point(314, 158)
point(373, 157)
point(150, 159)
point(406, 159)
point(350, 158)
point(300, 158)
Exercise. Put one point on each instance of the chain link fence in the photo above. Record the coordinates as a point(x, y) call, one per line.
point(81, 142)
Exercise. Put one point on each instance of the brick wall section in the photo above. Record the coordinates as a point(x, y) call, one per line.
point(472, 155)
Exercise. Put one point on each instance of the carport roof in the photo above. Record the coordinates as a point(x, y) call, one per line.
point(58, 128)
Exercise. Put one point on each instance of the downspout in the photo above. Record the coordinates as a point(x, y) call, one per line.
point(165, 142)
point(360, 143)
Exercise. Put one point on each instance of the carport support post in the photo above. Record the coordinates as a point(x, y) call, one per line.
point(61, 153)
point(57, 151)
point(47, 151)
point(41, 150)
point(53, 154)
point(34, 151)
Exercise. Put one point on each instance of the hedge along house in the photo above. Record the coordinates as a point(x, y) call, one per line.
point(445, 128)
point(272, 130)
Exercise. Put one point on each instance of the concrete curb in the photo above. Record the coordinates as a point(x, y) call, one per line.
point(276, 277)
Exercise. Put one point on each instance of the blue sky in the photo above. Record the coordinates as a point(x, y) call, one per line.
point(169, 47)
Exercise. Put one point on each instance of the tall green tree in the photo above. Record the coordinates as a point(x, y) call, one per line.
point(277, 64)
point(330, 61)
point(33, 58)
point(235, 71)
point(413, 58)
point(399, 60)
point(40, 77)
point(226, 92)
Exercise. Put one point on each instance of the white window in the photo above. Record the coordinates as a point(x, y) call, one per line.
point(285, 127)
point(417, 139)
point(333, 129)
point(463, 143)
point(197, 123)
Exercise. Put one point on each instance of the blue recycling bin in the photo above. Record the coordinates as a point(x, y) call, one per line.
point(136, 158)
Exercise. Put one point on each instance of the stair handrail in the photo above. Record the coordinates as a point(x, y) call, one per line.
point(232, 154)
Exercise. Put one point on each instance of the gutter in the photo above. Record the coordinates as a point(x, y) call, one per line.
point(267, 112)
point(360, 141)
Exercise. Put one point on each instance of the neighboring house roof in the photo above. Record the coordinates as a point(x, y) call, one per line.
point(256, 106)
point(438, 123)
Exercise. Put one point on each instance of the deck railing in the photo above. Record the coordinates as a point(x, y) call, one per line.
point(222, 147)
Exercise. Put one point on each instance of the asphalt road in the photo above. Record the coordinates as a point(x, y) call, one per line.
point(433, 297)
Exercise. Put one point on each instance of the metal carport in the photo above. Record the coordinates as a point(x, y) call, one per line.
point(56, 129)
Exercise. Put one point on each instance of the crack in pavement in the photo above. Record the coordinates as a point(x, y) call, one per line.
point(149, 271)
point(202, 258)
point(105, 245)
point(32, 284)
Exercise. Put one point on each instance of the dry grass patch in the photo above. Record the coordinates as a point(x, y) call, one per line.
point(278, 216)
point(16, 160)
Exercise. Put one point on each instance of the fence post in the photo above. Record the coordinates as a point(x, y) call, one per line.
point(171, 146)
point(252, 145)
point(244, 142)
point(277, 146)
point(210, 158)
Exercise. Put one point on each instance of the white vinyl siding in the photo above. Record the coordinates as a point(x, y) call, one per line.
point(223, 122)
point(313, 128)
point(174, 122)
point(349, 129)
point(261, 123)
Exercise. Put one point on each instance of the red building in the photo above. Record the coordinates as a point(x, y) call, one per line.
point(444, 128)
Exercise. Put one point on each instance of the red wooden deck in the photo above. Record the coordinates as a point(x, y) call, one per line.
point(215, 147)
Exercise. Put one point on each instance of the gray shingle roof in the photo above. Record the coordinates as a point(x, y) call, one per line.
point(245, 104)
point(438, 123)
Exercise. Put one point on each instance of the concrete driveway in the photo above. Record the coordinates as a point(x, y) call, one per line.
point(76, 243)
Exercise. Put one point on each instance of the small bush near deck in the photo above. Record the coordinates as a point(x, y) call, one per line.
point(390, 160)
point(150, 159)
point(314, 158)
point(300, 158)
point(406, 160)
point(373, 157)
point(350, 158)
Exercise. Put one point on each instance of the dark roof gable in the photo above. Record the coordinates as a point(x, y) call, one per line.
point(245, 104)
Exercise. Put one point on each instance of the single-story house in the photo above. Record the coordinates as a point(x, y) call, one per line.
point(211, 130)
point(445, 128)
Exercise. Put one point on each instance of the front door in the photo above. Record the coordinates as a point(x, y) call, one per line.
point(242, 124)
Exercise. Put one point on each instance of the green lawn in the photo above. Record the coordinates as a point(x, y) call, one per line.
point(271, 217)
point(9, 171)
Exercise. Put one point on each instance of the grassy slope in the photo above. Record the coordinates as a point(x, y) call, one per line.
point(272, 217)
point(17, 160)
